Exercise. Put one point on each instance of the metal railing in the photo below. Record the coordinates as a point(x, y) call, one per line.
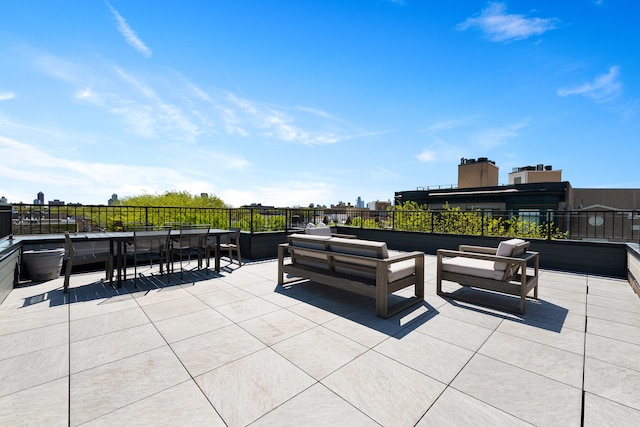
point(621, 226)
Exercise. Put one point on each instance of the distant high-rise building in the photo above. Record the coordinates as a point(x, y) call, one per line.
point(3, 201)
point(359, 202)
point(40, 199)
point(113, 199)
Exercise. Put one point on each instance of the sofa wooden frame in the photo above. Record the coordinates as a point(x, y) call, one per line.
point(515, 281)
point(379, 289)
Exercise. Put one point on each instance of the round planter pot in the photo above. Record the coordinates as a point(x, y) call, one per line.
point(44, 264)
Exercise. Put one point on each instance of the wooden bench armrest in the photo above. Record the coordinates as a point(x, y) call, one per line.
point(400, 257)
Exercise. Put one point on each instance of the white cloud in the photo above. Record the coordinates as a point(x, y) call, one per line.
point(444, 125)
point(278, 124)
point(192, 111)
point(499, 26)
point(60, 68)
point(603, 88)
point(147, 115)
point(495, 137)
point(315, 111)
point(83, 179)
point(427, 156)
point(129, 35)
point(5, 96)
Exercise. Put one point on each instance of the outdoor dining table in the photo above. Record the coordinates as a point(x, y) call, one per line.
point(119, 239)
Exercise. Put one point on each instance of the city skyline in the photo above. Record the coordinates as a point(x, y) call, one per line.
point(288, 103)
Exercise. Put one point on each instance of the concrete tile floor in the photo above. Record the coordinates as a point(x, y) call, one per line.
point(235, 349)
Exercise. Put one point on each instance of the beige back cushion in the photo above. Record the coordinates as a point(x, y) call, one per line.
point(359, 247)
point(309, 241)
point(509, 248)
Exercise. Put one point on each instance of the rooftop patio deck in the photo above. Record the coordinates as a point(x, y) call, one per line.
point(235, 349)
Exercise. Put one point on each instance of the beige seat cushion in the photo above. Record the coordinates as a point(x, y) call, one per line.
point(396, 271)
point(472, 267)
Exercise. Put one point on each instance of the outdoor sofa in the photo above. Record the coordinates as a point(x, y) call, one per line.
point(361, 266)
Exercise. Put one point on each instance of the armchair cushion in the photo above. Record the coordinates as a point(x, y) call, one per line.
point(509, 248)
point(472, 267)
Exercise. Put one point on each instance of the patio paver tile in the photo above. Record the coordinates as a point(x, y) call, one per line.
point(246, 389)
point(181, 327)
point(31, 340)
point(389, 392)
point(89, 327)
point(276, 326)
point(181, 405)
point(315, 407)
point(319, 351)
point(479, 316)
point(155, 296)
point(541, 359)
point(45, 405)
point(205, 352)
point(454, 408)
point(631, 304)
point(431, 356)
point(364, 327)
point(612, 382)
point(528, 396)
point(228, 295)
point(615, 330)
point(168, 309)
point(600, 412)
point(455, 331)
point(32, 369)
point(613, 315)
point(613, 351)
point(14, 321)
point(564, 339)
point(106, 388)
point(247, 309)
point(102, 349)
point(101, 305)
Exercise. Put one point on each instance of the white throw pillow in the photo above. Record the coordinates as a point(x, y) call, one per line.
point(505, 248)
point(318, 231)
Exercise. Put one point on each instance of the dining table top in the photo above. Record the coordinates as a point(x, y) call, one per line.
point(109, 235)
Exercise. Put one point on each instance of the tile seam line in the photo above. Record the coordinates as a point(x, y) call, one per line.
point(584, 352)
point(179, 360)
point(68, 301)
point(450, 384)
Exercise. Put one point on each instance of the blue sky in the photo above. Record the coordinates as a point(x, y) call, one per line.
point(290, 102)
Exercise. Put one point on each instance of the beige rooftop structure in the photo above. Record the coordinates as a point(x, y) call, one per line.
point(480, 172)
point(531, 174)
